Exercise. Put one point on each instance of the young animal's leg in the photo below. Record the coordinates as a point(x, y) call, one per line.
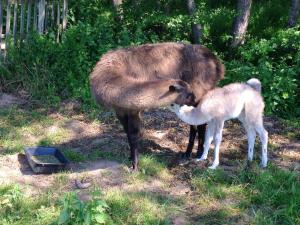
point(217, 141)
point(201, 135)
point(251, 134)
point(251, 140)
point(263, 136)
point(208, 139)
point(190, 146)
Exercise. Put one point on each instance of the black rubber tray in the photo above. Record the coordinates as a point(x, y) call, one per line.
point(45, 167)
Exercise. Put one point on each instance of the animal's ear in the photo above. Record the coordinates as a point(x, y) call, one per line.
point(175, 88)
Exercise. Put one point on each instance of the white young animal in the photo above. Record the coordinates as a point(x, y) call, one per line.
point(237, 100)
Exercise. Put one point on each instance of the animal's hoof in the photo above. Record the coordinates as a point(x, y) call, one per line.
point(263, 165)
point(201, 159)
point(184, 162)
point(199, 154)
point(213, 167)
point(133, 170)
point(129, 169)
point(185, 156)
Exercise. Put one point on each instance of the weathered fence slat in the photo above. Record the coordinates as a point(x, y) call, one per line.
point(52, 13)
point(22, 19)
point(39, 15)
point(46, 17)
point(35, 15)
point(8, 15)
point(58, 21)
point(29, 5)
point(65, 11)
point(15, 21)
point(41, 19)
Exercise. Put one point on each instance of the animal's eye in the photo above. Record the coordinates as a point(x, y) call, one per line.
point(190, 96)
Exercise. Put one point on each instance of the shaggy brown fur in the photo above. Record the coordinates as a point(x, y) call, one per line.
point(134, 79)
point(139, 77)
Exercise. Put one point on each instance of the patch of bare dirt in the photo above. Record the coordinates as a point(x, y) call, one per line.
point(14, 169)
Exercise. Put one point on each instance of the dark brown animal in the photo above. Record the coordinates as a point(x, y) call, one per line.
point(135, 79)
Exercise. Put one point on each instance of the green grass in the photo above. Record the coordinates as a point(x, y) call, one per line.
point(123, 207)
point(292, 128)
point(16, 209)
point(272, 196)
point(20, 128)
point(248, 195)
point(73, 156)
point(142, 207)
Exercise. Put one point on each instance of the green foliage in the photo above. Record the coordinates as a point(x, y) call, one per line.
point(276, 62)
point(9, 200)
point(78, 212)
point(271, 194)
point(17, 209)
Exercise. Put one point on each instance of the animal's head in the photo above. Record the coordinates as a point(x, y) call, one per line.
point(185, 94)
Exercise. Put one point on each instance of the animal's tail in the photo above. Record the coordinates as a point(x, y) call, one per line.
point(255, 84)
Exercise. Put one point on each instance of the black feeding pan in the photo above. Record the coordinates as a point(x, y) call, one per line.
point(45, 159)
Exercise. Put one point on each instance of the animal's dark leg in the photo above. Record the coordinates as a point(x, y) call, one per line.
point(123, 118)
point(201, 136)
point(189, 149)
point(134, 136)
point(132, 127)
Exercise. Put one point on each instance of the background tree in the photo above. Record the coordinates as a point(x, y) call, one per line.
point(117, 4)
point(293, 15)
point(196, 28)
point(240, 23)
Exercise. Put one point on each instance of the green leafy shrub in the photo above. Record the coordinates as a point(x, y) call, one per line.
point(78, 212)
point(276, 62)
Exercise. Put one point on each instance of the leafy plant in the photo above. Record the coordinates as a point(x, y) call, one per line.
point(9, 200)
point(76, 211)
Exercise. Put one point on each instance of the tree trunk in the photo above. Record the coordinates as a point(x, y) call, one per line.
point(196, 28)
point(295, 5)
point(241, 22)
point(117, 4)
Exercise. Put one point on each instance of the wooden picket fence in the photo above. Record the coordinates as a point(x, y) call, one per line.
point(19, 18)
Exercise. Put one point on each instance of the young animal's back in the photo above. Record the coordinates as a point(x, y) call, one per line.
point(230, 101)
